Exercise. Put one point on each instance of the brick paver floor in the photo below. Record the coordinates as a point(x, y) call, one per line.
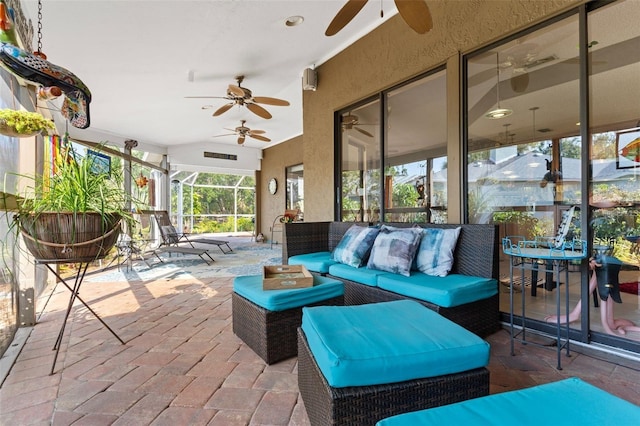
point(182, 364)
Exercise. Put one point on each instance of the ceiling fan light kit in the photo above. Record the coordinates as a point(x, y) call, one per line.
point(498, 112)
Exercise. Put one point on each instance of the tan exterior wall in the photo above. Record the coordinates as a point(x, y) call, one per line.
point(274, 162)
point(390, 54)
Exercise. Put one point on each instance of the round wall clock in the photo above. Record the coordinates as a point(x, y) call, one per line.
point(273, 186)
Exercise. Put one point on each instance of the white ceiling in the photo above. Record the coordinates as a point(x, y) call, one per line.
point(136, 57)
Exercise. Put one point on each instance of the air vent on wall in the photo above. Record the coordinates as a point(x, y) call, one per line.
point(220, 156)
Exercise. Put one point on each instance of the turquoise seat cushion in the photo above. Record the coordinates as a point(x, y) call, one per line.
point(388, 342)
point(250, 287)
point(316, 262)
point(449, 291)
point(361, 275)
point(571, 401)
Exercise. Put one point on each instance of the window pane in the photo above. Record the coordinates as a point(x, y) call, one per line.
point(295, 189)
point(361, 164)
point(614, 197)
point(416, 134)
point(524, 169)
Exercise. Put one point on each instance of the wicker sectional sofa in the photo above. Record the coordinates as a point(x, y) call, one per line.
point(476, 256)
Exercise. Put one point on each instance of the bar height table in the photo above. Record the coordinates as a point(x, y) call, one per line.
point(83, 264)
point(536, 255)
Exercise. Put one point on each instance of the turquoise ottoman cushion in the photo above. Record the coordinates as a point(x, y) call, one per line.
point(317, 262)
point(569, 401)
point(388, 342)
point(250, 287)
point(362, 275)
point(449, 291)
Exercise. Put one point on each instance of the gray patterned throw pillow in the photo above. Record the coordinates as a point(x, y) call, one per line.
point(355, 245)
point(394, 250)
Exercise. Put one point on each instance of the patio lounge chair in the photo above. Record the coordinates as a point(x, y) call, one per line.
point(162, 218)
point(169, 244)
point(170, 238)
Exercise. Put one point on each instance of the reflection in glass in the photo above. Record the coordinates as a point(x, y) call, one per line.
point(361, 164)
point(416, 134)
point(614, 196)
point(524, 170)
point(295, 189)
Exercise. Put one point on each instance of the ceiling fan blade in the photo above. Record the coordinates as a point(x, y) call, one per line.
point(206, 97)
point(226, 134)
point(257, 132)
point(416, 14)
point(260, 138)
point(364, 132)
point(240, 139)
point(236, 90)
point(223, 109)
point(270, 101)
point(258, 110)
point(344, 16)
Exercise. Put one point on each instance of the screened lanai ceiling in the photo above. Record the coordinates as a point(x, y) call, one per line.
point(142, 58)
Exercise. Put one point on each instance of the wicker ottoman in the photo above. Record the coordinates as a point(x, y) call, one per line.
point(266, 321)
point(367, 404)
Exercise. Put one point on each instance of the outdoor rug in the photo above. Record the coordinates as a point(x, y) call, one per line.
point(247, 258)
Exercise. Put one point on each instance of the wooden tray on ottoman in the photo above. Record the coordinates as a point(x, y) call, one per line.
point(281, 277)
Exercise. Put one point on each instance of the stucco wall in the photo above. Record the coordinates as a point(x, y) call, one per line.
point(389, 55)
point(274, 162)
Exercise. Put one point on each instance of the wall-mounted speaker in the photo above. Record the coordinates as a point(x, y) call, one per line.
point(309, 79)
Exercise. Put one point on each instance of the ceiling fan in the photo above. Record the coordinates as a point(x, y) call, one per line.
point(520, 59)
point(243, 131)
point(239, 95)
point(352, 122)
point(414, 12)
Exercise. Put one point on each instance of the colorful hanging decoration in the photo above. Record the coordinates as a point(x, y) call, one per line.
point(142, 181)
point(52, 149)
point(36, 69)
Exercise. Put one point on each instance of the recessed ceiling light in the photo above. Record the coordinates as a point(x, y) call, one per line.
point(292, 21)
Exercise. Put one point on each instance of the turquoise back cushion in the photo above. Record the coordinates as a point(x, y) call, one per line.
point(435, 254)
point(394, 249)
point(355, 246)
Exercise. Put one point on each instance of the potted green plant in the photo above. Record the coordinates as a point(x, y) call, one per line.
point(21, 123)
point(75, 213)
